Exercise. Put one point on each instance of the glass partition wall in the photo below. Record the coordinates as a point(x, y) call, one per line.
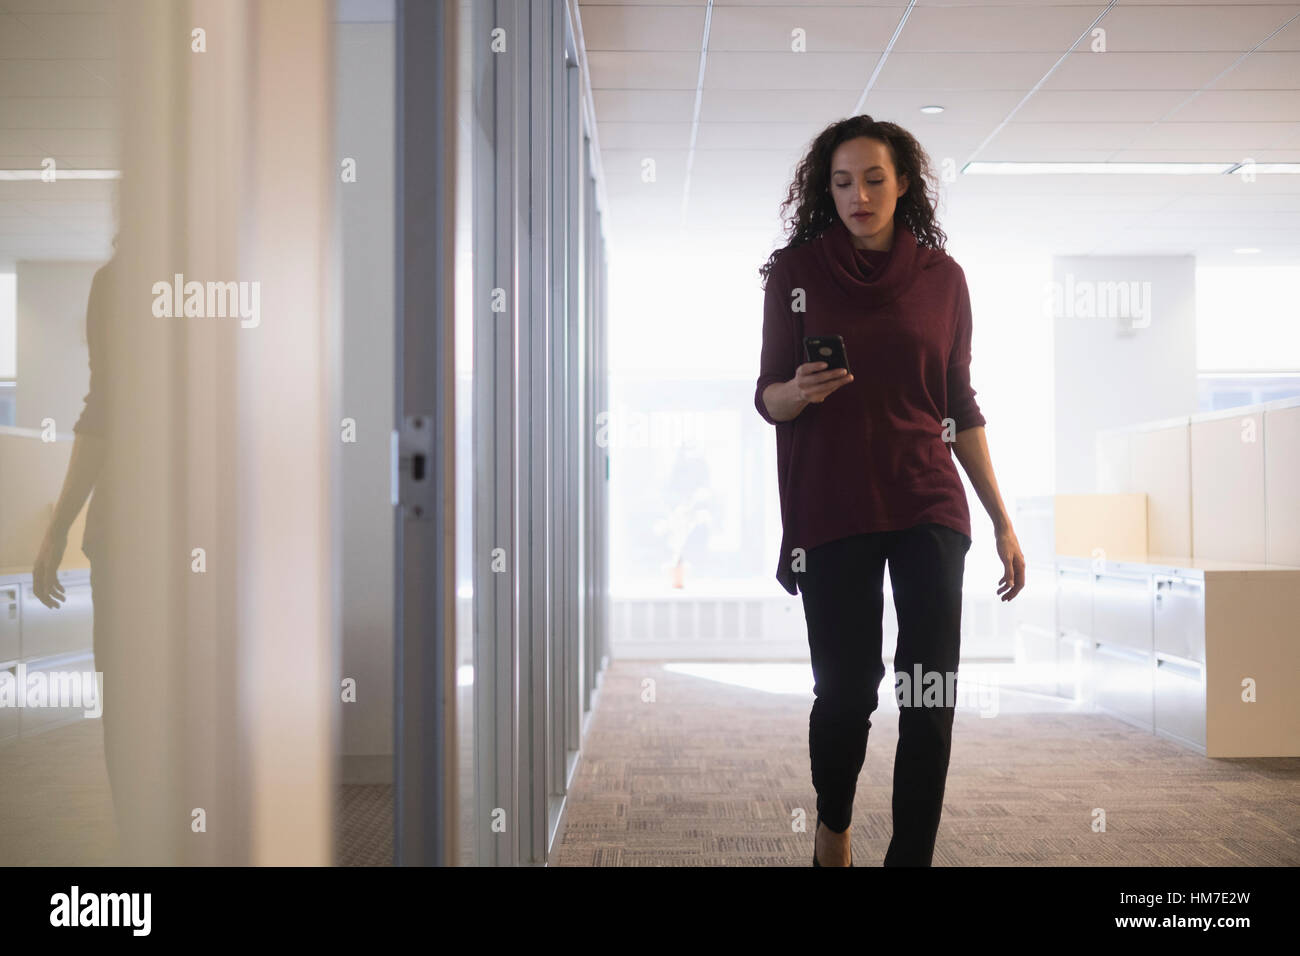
point(531, 555)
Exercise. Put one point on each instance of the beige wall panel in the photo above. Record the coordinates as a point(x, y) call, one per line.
point(1228, 488)
point(1114, 458)
point(1282, 485)
point(1162, 469)
point(1116, 524)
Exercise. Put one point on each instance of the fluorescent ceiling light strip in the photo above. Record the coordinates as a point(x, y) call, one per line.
point(695, 116)
point(1083, 169)
point(30, 175)
point(880, 63)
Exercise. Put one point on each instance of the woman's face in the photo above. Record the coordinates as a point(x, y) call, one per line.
point(866, 188)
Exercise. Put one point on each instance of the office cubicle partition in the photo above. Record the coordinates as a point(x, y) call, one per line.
point(530, 298)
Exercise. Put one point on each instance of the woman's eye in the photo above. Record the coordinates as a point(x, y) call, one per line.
point(874, 182)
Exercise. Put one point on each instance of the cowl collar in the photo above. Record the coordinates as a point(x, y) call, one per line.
point(865, 274)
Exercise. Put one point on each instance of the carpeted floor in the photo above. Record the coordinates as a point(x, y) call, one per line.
point(715, 772)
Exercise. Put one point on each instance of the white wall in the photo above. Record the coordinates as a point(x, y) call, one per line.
point(1112, 372)
point(364, 132)
point(52, 360)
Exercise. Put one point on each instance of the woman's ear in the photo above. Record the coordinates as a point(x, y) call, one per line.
point(903, 183)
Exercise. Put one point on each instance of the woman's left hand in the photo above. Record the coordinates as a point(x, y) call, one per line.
point(1013, 564)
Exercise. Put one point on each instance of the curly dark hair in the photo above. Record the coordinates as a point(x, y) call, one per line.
point(810, 191)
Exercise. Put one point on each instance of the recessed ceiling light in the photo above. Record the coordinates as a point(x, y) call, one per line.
point(1245, 251)
point(931, 109)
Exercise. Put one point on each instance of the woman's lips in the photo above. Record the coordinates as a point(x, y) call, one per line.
point(861, 215)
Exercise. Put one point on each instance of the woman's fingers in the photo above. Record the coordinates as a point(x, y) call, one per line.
point(820, 385)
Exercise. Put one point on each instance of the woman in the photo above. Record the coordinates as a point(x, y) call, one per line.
point(865, 465)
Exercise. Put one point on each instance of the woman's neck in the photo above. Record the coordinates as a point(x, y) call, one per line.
point(880, 242)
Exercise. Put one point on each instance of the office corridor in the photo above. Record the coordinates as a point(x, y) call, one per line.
point(710, 772)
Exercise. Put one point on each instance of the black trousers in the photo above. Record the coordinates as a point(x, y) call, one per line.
point(842, 586)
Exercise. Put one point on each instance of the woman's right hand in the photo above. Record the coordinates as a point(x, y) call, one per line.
point(45, 572)
point(812, 381)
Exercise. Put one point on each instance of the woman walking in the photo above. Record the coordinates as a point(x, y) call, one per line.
point(866, 475)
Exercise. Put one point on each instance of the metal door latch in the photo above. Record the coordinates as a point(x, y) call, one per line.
point(412, 451)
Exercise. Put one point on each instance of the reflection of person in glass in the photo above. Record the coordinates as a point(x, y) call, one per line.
point(866, 475)
point(85, 473)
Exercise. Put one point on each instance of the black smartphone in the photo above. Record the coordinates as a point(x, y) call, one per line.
point(828, 349)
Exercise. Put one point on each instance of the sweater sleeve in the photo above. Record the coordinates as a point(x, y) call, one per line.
point(91, 421)
point(781, 352)
point(962, 407)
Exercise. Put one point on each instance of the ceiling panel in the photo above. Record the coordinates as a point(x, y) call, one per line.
point(756, 136)
point(58, 85)
point(778, 106)
point(961, 107)
point(1247, 105)
point(1100, 106)
point(824, 29)
point(1288, 38)
point(1235, 27)
point(644, 71)
point(1085, 70)
point(1067, 135)
point(659, 28)
point(1263, 71)
point(650, 106)
point(645, 136)
point(964, 71)
point(996, 29)
point(1242, 135)
point(789, 71)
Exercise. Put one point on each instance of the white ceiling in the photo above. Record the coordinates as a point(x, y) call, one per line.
point(1179, 82)
point(1190, 81)
point(58, 98)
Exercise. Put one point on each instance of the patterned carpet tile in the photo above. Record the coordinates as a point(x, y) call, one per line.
point(717, 774)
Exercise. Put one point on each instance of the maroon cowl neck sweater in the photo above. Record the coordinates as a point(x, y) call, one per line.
point(872, 455)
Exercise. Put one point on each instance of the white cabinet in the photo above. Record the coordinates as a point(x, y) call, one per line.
point(10, 622)
point(1074, 598)
point(1180, 701)
point(1122, 651)
point(67, 629)
point(47, 643)
point(1121, 610)
point(1122, 684)
point(1200, 652)
point(8, 715)
point(1074, 668)
point(1179, 618)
